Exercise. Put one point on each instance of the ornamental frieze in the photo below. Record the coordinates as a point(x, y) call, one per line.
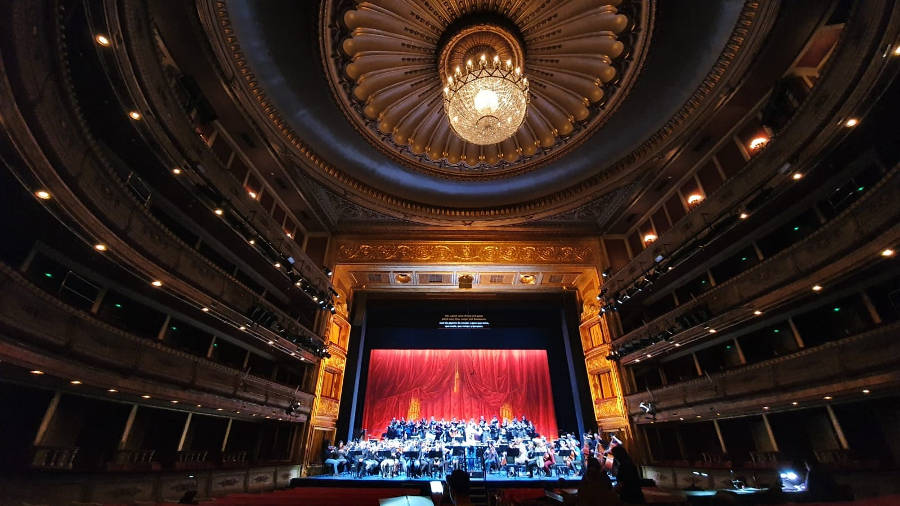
point(469, 252)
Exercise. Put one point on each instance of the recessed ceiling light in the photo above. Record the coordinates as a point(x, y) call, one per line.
point(100, 246)
point(36, 372)
point(794, 403)
point(698, 416)
point(204, 309)
point(796, 176)
point(743, 216)
point(758, 142)
point(252, 241)
point(157, 283)
point(112, 390)
point(75, 382)
point(199, 405)
point(252, 194)
point(242, 328)
point(887, 252)
point(293, 354)
point(134, 115)
point(817, 288)
point(757, 312)
point(176, 171)
point(677, 345)
point(852, 122)
point(681, 418)
point(649, 238)
point(103, 40)
point(42, 194)
point(637, 360)
point(866, 391)
point(897, 50)
point(766, 408)
point(828, 397)
point(218, 211)
point(174, 402)
point(271, 342)
point(277, 265)
point(218, 409)
point(145, 396)
point(694, 198)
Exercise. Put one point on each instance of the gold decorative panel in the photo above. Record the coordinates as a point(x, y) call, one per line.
point(466, 252)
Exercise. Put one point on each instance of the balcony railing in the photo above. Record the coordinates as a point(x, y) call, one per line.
point(53, 457)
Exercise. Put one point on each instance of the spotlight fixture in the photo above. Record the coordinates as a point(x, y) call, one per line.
point(75, 382)
point(694, 199)
point(252, 241)
point(36, 372)
point(219, 409)
point(766, 408)
point(757, 312)
point(204, 309)
point(271, 343)
point(796, 176)
point(174, 401)
point(42, 194)
point(145, 396)
point(649, 238)
point(758, 142)
point(112, 390)
point(242, 328)
point(828, 397)
point(100, 246)
point(794, 403)
point(817, 288)
point(157, 283)
point(277, 265)
point(887, 252)
point(102, 40)
point(712, 331)
point(743, 216)
point(678, 345)
point(218, 211)
point(866, 391)
point(176, 171)
point(852, 122)
point(134, 115)
point(252, 194)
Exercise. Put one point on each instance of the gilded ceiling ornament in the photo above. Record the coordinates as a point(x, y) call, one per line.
point(480, 252)
point(443, 87)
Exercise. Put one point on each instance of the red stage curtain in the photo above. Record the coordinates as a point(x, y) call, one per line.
point(458, 383)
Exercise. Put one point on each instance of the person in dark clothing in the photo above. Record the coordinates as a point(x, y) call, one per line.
point(628, 480)
point(820, 485)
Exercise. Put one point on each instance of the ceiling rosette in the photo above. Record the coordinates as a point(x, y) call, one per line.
point(387, 61)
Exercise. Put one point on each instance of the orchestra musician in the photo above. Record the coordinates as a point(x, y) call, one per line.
point(491, 459)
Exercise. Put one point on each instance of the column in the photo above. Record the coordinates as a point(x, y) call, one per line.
point(796, 333)
point(838, 431)
point(48, 416)
point(162, 330)
point(770, 433)
point(719, 434)
point(870, 307)
point(184, 431)
point(123, 441)
point(740, 352)
point(697, 364)
point(227, 433)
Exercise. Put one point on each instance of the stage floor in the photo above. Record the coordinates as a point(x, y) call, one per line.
point(499, 479)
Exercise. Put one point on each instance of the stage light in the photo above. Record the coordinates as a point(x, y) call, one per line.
point(42, 194)
point(694, 199)
point(796, 176)
point(134, 115)
point(866, 391)
point(218, 212)
point(887, 252)
point(649, 238)
point(743, 216)
point(852, 122)
point(102, 40)
point(75, 382)
point(817, 288)
point(145, 396)
point(758, 142)
point(157, 283)
point(757, 312)
point(100, 246)
point(112, 390)
point(176, 171)
point(36, 372)
point(204, 309)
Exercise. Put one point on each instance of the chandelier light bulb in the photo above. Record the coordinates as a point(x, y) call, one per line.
point(486, 102)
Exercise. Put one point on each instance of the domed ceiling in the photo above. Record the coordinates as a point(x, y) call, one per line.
point(353, 93)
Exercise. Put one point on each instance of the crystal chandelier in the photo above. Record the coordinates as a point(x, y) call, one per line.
point(486, 104)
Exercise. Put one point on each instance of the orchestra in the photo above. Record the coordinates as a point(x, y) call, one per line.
point(434, 448)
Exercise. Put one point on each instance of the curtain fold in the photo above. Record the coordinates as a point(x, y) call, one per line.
point(458, 383)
